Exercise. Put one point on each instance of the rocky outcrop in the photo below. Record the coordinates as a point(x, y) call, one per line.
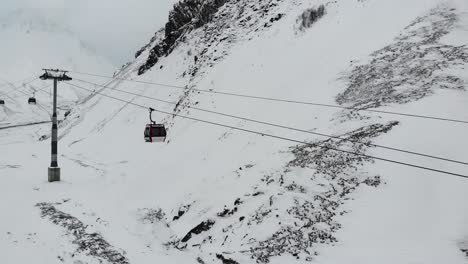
point(412, 67)
point(186, 15)
point(310, 16)
point(91, 244)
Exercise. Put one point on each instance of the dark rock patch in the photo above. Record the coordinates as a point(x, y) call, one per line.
point(310, 16)
point(184, 17)
point(202, 227)
point(181, 212)
point(91, 244)
point(227, 212)
point(226, 260)
point(410, 68)
point(152, 216)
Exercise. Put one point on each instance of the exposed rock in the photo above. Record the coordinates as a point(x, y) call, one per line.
point(315, 219)
point(226, 260)
point(411, 68)
point(226, 212)
point(310, 16)
point(202, 227)
point(185, 16)
point(92, 244)
point(182, 210)
point(152, 215)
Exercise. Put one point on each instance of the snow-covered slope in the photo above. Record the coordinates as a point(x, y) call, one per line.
point(30, 41)
point(213, 194)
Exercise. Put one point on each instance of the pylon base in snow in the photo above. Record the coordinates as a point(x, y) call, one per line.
point(54, 174)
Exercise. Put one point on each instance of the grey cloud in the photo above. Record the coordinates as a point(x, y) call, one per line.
point(115, 29)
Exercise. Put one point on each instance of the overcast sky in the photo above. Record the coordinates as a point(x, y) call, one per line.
point(115, 29)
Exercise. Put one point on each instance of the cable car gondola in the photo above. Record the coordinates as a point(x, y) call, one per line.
point(32, 100)
point(2, 102)
point(155, 132)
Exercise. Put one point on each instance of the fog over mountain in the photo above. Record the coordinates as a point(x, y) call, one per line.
point(99, 24)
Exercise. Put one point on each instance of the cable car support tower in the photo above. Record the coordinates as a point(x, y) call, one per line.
point(56, 76)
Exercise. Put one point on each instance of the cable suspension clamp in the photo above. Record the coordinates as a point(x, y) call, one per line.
point(151, 110)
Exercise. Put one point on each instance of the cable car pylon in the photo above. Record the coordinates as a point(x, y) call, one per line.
point(57, 76)
point(154, 132)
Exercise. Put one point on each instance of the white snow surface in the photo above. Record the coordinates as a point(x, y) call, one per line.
point(111, 178)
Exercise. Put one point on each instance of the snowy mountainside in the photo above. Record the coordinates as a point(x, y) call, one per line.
point(33, 40)
point(214, 194)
